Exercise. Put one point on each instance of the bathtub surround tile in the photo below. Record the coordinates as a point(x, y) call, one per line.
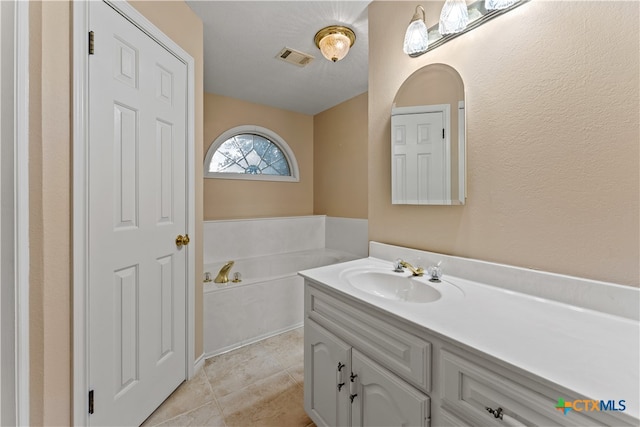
point(286, 304)
point(242, 313)
point(190, 395)
point(268, 253)
point(253, 311)
point(221, 330)
point(348, 234)
point(243, 238)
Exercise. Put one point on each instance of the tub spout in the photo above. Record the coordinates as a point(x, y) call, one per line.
point(223, 274)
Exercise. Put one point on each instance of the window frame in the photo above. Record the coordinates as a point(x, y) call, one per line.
point(257, 130)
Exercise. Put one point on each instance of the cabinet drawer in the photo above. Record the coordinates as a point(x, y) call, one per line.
point(402, 353)
point(469, 389)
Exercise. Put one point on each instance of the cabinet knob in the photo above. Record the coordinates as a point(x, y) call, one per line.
point(352, 387)
point(497, 413)
point(340, 376)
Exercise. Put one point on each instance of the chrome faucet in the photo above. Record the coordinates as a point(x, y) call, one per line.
point(223, 274)
point(416, 271)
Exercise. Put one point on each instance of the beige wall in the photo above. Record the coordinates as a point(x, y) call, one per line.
point(340, 159)
point(228, 198)
point(51, 188)
point(50, 213)
point(553, 139)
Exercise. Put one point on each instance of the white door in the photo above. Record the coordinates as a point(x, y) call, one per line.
point(327, 367)
point(419, 159)
point(137, 208)
point(383, 399)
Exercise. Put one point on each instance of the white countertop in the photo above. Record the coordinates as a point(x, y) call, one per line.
point(589, 352)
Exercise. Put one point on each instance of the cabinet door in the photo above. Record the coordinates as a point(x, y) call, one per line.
point(326, 376)
point(383, 399)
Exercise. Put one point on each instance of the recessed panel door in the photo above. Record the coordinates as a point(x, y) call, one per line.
point(382, 399)
point(419, 163)
point(327, 367)
point(137, 208)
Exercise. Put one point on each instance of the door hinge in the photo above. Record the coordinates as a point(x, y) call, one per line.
point(442, 133)
point(91, 42)
point(91, 401)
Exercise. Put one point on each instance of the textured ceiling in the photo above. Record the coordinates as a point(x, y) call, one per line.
point(242, 39)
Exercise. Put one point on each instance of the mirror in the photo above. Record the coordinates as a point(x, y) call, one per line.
point(428, 139)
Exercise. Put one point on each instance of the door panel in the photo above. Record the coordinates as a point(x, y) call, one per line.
point(325, 404)
point(419, 159)
point(383, 399)
point(137, 207)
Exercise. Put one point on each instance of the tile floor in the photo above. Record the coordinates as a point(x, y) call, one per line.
point(256, 385)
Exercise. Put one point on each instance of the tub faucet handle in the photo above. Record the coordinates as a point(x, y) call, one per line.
point(397, 266)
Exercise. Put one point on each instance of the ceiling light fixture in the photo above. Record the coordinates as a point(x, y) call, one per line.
point(334, 41)
point(416, 39)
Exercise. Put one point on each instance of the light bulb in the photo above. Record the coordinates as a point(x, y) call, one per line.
point(454, 17)
point(416, 39)
point(335, 46)
point(498, 4)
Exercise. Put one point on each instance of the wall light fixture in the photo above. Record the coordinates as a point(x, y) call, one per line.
point(456, 18)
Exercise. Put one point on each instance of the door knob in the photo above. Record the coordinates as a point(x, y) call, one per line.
point(182, 240)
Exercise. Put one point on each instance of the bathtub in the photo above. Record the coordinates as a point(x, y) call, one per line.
point(269, 299)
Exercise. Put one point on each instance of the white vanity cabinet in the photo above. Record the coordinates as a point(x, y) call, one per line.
point(478, 392)
point(365, 366)
point(354, 364)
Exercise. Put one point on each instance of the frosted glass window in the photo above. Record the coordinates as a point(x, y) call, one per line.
point(250, 152)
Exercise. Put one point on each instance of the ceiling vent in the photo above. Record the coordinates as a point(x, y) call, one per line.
point(294, 57)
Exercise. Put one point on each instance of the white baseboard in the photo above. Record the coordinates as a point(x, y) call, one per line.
point(198, 364)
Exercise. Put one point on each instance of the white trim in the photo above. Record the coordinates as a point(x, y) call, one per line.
point(462, 154)
point(269, 218)
point(80, 193)
point(262, 131)
point(21, 197)
point(198, 364)
point(15, 253)
point(80, 211)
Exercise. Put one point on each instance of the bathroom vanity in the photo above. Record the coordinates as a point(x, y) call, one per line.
point(505, 350)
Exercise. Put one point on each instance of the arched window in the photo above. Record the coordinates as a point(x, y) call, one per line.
point(251, 152)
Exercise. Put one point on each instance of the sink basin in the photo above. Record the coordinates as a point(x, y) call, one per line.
point(392, 286)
